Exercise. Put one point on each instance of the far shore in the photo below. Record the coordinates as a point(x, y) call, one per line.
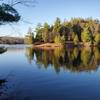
point(11, 40)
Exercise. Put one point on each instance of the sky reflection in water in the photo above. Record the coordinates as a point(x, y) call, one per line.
point(28, 74)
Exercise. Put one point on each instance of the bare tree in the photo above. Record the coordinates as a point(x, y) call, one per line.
point(23, 2)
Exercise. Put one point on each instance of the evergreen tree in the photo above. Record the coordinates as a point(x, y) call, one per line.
point(45, 34)
point(86, 36)
point(29, 38)
point(57, 25)
point(85, 30)
point(59, 39)
point(39, 31)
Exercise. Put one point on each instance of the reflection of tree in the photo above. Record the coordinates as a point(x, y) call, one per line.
point(77, 59)
point(58, 58)
point(45, 58)
point(74, 59)
point(86, 56)
point(76, 52)
point(29, 54)
point(97, 54)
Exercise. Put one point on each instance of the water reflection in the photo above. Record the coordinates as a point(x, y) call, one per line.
point(20, 78)
point(72, 59)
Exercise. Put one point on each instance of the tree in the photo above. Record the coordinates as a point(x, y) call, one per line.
point(64, 30)
point(57, 25)
point(29, 38)
point(27, 3)
point(39, 31)
point(77, 29)
point(45, 34)
point(86, 36)
point(51, 34)
point(59, 39)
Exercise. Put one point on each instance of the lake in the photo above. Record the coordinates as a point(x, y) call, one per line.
point(60, 74)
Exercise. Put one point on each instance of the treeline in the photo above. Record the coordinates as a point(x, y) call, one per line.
point(11, 40)
point(77, 30)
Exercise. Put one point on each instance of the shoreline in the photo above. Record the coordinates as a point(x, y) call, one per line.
point(55, 45)
point(47, 46)
point(59, 45)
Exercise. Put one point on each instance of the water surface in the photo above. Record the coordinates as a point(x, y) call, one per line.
point(37, 74)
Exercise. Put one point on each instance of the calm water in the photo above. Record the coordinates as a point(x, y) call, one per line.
point(60, 74)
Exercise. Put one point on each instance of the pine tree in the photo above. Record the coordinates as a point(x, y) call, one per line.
point(59, 39)
point(29, 38)
point(57, 25)
point(45, 34)
point(86, 36)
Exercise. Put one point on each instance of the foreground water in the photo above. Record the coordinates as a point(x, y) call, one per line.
point(63, 74)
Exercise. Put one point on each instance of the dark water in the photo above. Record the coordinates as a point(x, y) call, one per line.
point(60, 74)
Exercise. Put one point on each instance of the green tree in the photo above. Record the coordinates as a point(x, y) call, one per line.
point(29, 38)
point(39, 31)
point(77, 29)
point(45, 34)
point(64, 30)
point(57, 25)
point(59, 39)
point(86, 36)
point(51, 34)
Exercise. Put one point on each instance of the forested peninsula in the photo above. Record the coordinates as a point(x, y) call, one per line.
point(77, 31)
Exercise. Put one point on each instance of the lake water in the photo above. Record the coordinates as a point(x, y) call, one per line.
point(60, 74)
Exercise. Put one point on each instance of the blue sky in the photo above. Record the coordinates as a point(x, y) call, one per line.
point(48, 10)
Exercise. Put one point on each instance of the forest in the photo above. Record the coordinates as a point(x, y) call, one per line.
point(84, 31)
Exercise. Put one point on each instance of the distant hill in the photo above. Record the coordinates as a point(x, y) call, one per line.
point(11, 40)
